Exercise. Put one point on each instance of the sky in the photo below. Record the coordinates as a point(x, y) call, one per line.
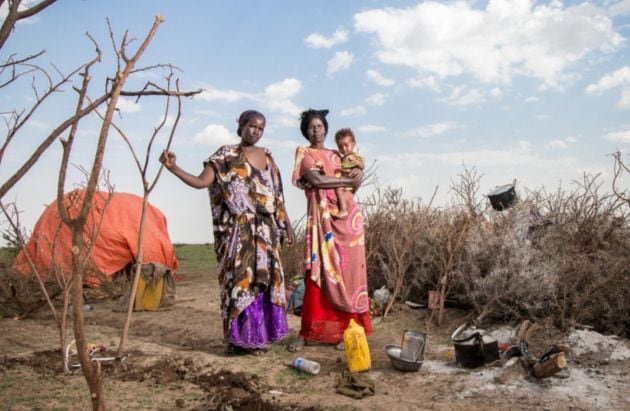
point(537, 91)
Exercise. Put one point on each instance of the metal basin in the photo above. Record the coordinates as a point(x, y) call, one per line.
point(393, 352)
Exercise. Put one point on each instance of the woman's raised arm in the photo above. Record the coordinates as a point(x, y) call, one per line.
point(203, 180)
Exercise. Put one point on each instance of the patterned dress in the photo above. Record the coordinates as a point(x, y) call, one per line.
point(334, 255)
point(249, 225)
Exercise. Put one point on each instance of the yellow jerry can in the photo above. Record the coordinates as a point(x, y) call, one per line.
point(148, 295)
point(357, 350)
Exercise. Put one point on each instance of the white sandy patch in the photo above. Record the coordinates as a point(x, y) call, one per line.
point(590, 342)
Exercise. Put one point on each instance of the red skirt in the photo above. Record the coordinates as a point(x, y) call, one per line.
point(321, 322)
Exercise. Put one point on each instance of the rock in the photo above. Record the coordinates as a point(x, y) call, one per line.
point(511, 371)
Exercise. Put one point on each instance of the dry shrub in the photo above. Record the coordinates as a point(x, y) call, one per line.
point(502, 277)
point(293, 256)
point(22, 296)
point(560, 256)
point(588, 243)
point(398, 244)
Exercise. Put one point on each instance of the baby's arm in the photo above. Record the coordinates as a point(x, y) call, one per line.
point(353, 160)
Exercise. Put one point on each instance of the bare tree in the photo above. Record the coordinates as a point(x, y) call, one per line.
point(77, 218)
point(620, 168)
point(15, 119)
point(15, 14)
point(147, 187)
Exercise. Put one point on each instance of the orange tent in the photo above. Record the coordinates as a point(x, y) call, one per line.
point(116, 223)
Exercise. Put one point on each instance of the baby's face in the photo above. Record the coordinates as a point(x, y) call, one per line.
point(346, 145)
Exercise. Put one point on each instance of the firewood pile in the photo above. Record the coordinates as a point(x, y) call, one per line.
point(521, 363)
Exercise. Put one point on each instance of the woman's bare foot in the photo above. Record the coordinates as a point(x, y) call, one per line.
point(296, 346)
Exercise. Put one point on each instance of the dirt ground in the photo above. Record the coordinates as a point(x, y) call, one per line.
point(176, 360)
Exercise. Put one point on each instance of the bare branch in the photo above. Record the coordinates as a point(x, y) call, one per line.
point(14, 15)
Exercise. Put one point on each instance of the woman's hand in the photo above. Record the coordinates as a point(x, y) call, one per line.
point(168, 158)
point(290, 235)
point(356, 174)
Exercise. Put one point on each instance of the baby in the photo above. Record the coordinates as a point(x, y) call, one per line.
point(349, 160)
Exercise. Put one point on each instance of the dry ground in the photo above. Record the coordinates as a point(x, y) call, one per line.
point(176, 360)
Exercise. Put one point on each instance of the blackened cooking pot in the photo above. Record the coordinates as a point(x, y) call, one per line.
point(502, 197)
point(472, 349)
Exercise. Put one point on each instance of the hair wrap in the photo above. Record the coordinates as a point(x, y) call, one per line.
point(307, 115)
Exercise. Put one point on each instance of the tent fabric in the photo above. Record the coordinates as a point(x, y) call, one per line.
point(117, 223)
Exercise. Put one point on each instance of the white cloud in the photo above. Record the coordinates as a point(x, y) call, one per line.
point(378, 78)
point(496, 92)
point(624, 101)
point(495, 44)
point(376, 99)
point(532, 99)
point(215, 135)
point(316, 40)
point(352, 111)
point(465, 96)
point(214, 94)
point(433, 129)
point(370, 128)
point(619, 8)
point(127, 106)
point(619, 136)
point(277, 97)
point(26, 4)
point(168, 122)
point(617, 78)
point(556, 144)
point(341, 61)
point(427, 82)
point(484, 158)
point(562, 144)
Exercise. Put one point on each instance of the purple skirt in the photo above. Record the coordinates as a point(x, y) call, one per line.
point(259, 325)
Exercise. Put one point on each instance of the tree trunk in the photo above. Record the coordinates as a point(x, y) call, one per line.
point(136, 277)
point(92, 372)
point(62, 328)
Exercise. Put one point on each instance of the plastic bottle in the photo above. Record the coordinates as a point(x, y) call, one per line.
point(357, 350)
point(305, 365)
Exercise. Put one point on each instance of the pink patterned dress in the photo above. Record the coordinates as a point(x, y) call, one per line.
point(334, 255)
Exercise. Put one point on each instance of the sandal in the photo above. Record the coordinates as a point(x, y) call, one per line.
point(296, 346)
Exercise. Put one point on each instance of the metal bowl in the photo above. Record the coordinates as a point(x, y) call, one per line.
point(393, 352)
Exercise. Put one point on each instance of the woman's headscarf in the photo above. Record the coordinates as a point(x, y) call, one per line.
point(308, 115)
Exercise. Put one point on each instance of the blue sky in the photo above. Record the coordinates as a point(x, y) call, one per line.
point(533, 91)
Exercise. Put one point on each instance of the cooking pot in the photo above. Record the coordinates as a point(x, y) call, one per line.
point(473, 349)
point(502, 197)
point(412, 346)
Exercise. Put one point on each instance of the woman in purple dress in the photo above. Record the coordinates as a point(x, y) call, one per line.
point(250, 225)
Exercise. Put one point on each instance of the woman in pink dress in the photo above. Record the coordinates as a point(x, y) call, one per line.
point(334, 250)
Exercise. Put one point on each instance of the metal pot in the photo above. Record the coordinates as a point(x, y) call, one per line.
point(473, 349)
point(412, 346)
point(502, 197)
point(393, 352)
